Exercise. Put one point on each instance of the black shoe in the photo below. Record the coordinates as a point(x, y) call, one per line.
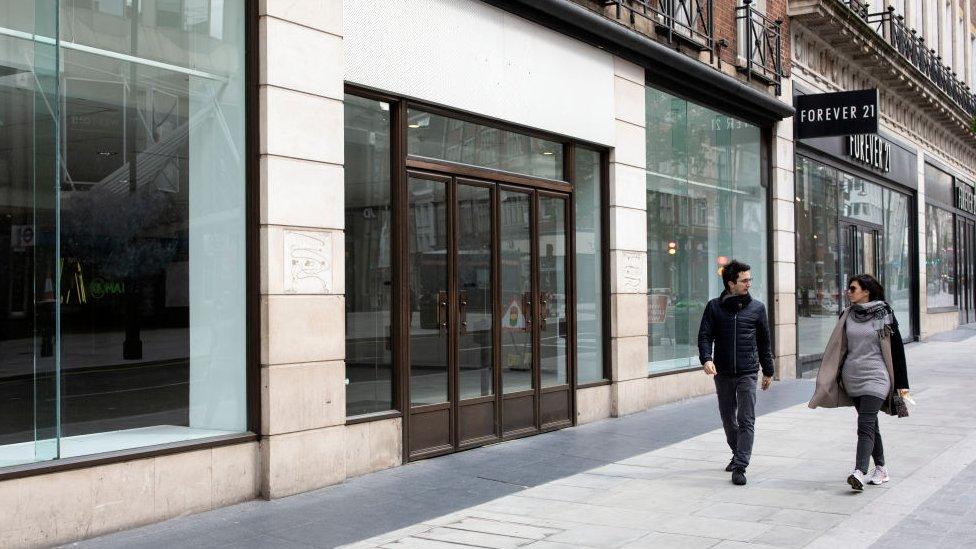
point(739, 477)
point(729, 467)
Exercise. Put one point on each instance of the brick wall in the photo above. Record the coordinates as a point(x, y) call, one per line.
point(724, 17)
point(725, 27)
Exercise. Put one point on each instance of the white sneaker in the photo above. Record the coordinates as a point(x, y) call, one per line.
point(856, 480)
point(879, 475)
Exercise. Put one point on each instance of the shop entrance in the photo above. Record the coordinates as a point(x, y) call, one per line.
point(966, 255)
point(488, 322)
point(859, 251)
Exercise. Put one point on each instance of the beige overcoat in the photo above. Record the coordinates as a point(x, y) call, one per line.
point(829, 391)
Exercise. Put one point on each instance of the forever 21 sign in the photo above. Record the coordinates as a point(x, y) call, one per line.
point(842, 113)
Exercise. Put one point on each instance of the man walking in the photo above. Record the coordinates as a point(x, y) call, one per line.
point(738, 327)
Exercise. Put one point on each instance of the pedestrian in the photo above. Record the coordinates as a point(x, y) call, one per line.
point(864, 366)
point(733, 345)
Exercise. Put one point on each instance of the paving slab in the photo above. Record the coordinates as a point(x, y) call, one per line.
point(652, 479)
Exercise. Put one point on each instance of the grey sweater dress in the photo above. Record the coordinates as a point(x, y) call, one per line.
point(864, 372)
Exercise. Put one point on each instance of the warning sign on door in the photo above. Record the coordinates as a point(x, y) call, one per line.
point(514, 320)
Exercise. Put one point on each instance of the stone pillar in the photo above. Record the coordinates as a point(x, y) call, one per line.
point(968, 47)
point(301, 235)
point(923, 329)
point(783, 233)
point(628, 243)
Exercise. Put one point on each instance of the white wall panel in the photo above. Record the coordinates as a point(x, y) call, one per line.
point(468, 55)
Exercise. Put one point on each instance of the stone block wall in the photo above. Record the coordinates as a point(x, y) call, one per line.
point(305, 443)
point(628, 243)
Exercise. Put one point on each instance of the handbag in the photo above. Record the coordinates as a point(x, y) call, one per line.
point(900, 406)
point(896, 405)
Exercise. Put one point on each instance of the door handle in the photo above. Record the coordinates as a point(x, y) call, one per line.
point(463, 311)
point(544, 309)
point(442, 311)
point(527, 310)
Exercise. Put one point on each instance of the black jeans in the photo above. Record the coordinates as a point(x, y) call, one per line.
point(868, 436)
point(737, 405)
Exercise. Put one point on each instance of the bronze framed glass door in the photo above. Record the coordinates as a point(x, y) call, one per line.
point(557, 397)
point(518, 306)
point(488, 321)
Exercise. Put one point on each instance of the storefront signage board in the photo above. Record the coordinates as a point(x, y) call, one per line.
point(871, 150)
point(965, 198)
point(832, 114)
point(900, 164)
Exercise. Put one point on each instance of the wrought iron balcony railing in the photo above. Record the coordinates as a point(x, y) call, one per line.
point(862, 9)
point(688, 21)
point(913, 49)
point(761, 49)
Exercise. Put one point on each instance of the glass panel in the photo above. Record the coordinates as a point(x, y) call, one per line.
point(369, 203)
point(848, 257)
point(475, 302)
point(938, 185)
point(28, 233)
point(940, 268)
point(964, 268)
point(152, 230)
point(869, 257)
point(552, 291)
point(515, 243)
point(860, 199)
point(896, 258)
point(435, 136)
point(427, 249)
point(819, 297)
point(705, 205)
point(589, 273)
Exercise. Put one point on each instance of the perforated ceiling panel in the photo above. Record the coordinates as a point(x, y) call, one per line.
point(467, 55)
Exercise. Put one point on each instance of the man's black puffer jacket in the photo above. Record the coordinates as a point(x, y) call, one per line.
point(739, 328)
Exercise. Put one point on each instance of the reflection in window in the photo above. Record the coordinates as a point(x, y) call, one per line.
point(860, 199)
point(940, 262)
point(896, 259)
point(146, 266)
point(431, 135)
point(705, 205)
point(589, 277)
point(369, 202)
point(818, 299)
point(823, 196)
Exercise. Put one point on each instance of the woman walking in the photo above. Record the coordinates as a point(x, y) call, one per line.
point(864, 366)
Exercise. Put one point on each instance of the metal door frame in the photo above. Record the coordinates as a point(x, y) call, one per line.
point(453, 175)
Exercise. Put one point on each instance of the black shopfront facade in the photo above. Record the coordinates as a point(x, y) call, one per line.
point(856, 212)
point(950, 229)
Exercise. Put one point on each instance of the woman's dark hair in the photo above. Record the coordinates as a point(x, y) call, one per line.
point(730, 272)
point(870, 284)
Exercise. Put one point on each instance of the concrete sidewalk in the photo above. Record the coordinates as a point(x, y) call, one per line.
point(653, 479)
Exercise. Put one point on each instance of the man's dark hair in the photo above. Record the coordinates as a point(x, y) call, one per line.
point(730, 272)
point(870, 284)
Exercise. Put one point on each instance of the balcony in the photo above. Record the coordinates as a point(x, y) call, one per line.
point(880, 46)
point(687, 22)
point(912, 48)
point(760, 49)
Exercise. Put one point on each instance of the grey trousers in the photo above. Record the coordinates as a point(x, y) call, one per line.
point(868, 435)
point(737, 405)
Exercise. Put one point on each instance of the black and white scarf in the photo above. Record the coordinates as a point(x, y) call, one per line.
point(878, 313)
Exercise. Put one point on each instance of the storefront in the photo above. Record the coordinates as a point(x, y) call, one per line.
point(462, 301)
point(123, 316)
point(950, 218)
point(855, 212)
point(237, 272)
